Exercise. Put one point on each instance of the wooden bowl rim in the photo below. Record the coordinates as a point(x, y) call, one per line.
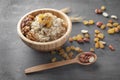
point(45, 43)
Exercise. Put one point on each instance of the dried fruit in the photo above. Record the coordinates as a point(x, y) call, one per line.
point(114, 17)
point(96, 35)
point(101, 45)
point(110, 21)
point(74, 38)
point(64, 55)
point(86, 35)
point(86, 39)
point(61, 51)
point(111, 47)
point(77, 49)
point(85, 22)
point(84, 31)
point(116, 29)
point(103, 8)
point(70, 39)
point(91, 22)
point(115, 24)
point(111, 31)
point(92, 50)
point(54, 59)
point(72, 47)
point(99, 24)
point(97, 45)
point(80, 40)
point(103, 26)
point(105, 14)
point(109, 25)
point(70, 55)
point(97, 31)
point(68, 49)
point(98, 11)
point(96, 39)
point(79, 36)
point(101, 35)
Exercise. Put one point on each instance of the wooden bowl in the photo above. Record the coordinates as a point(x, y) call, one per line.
point(46, 46)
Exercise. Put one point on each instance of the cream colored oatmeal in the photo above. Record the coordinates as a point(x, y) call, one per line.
point(47, 27)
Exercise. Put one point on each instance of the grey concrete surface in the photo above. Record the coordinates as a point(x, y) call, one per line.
point(15, 56)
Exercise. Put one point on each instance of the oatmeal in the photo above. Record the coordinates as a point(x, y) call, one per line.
point(44, 27)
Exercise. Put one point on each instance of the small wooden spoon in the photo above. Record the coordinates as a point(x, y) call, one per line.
point(60, 63)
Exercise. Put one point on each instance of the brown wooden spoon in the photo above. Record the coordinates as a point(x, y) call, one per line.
point(60, 63)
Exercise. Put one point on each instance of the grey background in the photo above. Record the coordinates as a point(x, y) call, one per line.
point(15, 56)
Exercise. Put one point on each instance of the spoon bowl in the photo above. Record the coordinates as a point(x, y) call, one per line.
point(88, 53)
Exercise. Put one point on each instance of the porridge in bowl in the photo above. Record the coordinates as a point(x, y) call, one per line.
point(43, 27)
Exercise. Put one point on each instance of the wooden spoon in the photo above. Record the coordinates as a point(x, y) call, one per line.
point(60, 63)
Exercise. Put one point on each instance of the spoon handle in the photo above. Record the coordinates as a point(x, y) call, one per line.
point(49, 66)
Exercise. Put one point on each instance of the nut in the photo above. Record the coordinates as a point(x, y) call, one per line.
point(114, 17)
point(25, 30)
point(84, 31)
point(31, 36)
point(111, 47)
point(91, 59)
point(103, 42)
point(98, 11)
point(99, 24)
point(105, 14)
